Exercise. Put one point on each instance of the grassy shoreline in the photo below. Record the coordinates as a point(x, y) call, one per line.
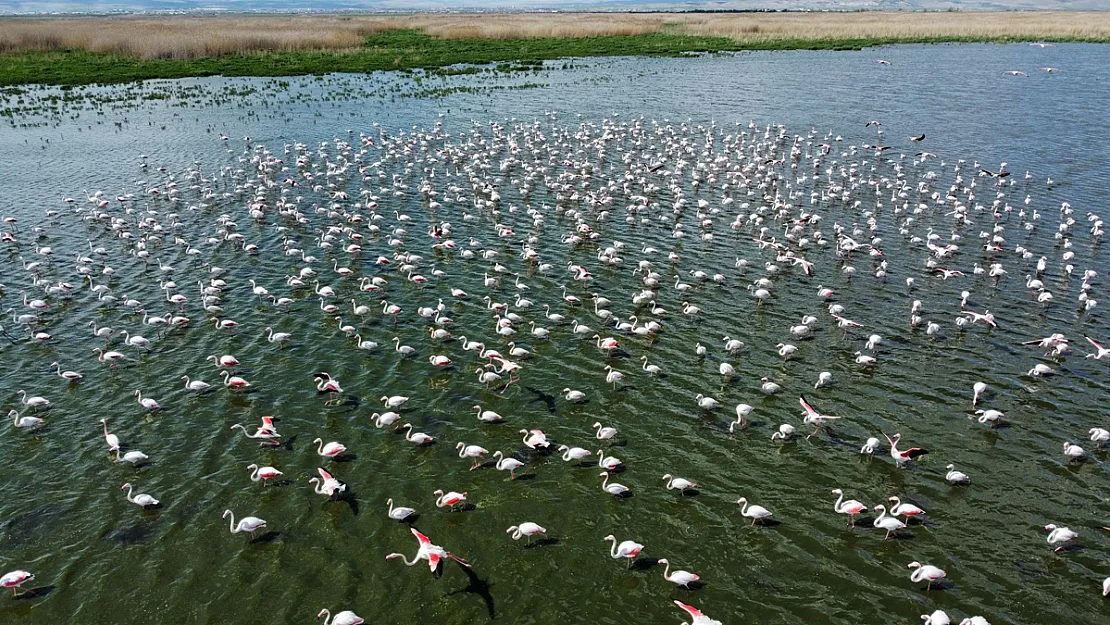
point(31, 55)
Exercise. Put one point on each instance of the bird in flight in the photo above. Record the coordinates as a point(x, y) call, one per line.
point(921, 137)
point(1014, 72)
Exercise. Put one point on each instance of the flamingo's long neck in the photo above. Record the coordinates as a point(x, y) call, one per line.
point(415, 558)
point(327, 617)
point(667, 570)
point(839, 499)
point(613, 549)
point(233, 528)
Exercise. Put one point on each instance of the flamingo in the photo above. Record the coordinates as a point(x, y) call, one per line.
point(573, 453)
point(247, 524)
point(70, 376)
point(990, 417)
point(812, 417)
point(420, 438)
point(449, 499)
point(15, 579)
point(226, 361)
point(268, 435)
point(330, 450)
point(697, 617)
point(110, 356)
point(614, 489)
point(626, 549)
point(135, 457)
point(34, 402)
point(326, 484)
point(263, 473)
point(111, 439)
point(146, 402)
point(785, 432)
point(956, 477)
point(395, 401)
point(534, 439)
point(977, 391)
point(327, 384)
point(902, 457)
point(400, 513)
point(382, 420)
point(608, 463)
point(850, 507)
point(434, 554)
point(870, 446)
point(346, 617)
point(908, 510)
point(1073, 452)
point(678, 578)
point(507, 464)
point(471, 451)
point(1099, 436)
point(927, 572)
point(198, 386)
point(281, 338)
point(142, 499)
point(938, 617)
point(678, 482)
point(888, 523)
point(1059, 535)
point(755, 513)
point(234, 381)
point(487, 416)
point(24, 422)
point(574, 396)
point(742, 412)
point(528, 529)
point(603, 433)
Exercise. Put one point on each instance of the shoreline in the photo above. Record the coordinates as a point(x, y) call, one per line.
point(113, 50)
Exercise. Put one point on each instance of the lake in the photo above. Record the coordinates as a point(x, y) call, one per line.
point(585, 142)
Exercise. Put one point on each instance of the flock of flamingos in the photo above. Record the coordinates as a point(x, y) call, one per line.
point(367, 221)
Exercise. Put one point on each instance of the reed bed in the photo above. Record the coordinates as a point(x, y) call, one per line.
point(192, 37)
point(180, 37)
point(889, 26)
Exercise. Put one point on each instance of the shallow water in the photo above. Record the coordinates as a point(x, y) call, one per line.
point(100, 559)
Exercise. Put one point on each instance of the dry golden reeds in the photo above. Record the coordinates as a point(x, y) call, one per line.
point(186, 37)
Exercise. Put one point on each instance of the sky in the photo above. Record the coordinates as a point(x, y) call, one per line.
point(67, 6)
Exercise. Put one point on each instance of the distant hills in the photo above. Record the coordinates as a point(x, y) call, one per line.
point(108, 6)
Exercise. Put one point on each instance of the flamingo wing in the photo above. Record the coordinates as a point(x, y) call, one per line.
point(810, 411)
point(433, 561)
point(1093, 342)
point(691, 610)
point(324, 474)
point(914, 452)
point(424, 540)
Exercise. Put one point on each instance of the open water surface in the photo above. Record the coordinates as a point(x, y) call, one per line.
point(101, 560)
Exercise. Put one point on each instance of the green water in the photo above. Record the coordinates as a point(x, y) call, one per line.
point(100, 559)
